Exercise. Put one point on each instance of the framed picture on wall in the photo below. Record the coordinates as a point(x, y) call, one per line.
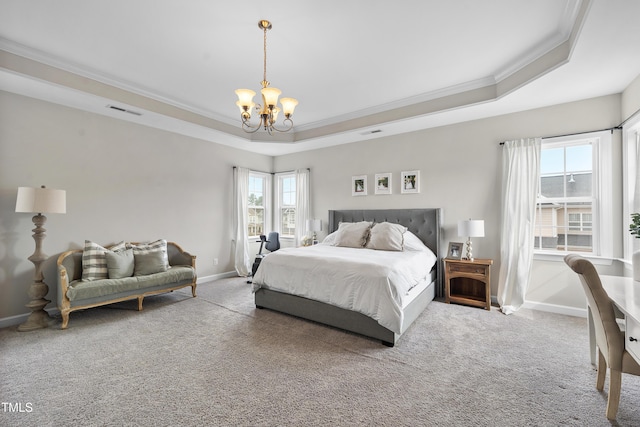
point(359, 185)
point(410, 182)
point(383, 183)
point(455, 250)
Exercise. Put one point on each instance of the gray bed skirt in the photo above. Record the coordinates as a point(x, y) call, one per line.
point(339, 317)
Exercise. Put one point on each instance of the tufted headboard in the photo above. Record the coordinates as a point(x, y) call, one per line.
point(424, 223)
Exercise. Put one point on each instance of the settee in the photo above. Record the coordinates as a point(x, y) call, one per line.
point(96, 276)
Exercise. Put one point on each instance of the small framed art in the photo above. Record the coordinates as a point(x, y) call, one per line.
point(383, 183)
point(455, 250)
point(359, 185)
point(410, 182)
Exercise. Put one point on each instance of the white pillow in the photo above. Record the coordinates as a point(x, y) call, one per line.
point(330, 239)
point(353, 234)
point(413, 243)
point(386, 236)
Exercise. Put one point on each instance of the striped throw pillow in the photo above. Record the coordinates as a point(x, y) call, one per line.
point(94, 260)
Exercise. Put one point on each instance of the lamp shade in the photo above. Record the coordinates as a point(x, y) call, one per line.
point(314, 225)
point(245, 96)
point(270, 95)
point(471, 228)
point(41, 200)
point(288, 105)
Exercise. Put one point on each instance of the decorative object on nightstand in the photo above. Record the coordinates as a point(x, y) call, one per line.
point(468, 282)
point(39, 200)
point(470, 228)
point(314, 225)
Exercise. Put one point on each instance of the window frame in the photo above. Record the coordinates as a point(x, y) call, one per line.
point(601, 197)
point(266, 201)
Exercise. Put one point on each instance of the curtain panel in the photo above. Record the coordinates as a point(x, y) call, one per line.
point(242, 259)
point(520, 183)
point(303, 205)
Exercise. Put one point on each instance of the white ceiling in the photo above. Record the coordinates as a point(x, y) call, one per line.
point(355, 66)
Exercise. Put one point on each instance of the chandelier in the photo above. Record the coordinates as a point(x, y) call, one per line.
point(269, 110)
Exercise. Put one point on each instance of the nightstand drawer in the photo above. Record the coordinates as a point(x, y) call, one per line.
point(467, 268)
point(633, 332)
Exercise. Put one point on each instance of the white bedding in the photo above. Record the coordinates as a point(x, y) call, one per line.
point(373, 282)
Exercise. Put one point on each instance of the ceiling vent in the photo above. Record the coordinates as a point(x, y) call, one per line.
point(369, 132)
point(124, 110)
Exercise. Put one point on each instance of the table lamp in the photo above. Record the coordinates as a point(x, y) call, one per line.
point(39, 200)
point(314, 225)
point(470, 228)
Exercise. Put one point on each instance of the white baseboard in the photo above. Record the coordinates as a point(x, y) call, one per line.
point(219, 276)
point(7, 322)
point(553, 308)
point(19, 319)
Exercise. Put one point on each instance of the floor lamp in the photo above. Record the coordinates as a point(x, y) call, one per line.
point(39, 200)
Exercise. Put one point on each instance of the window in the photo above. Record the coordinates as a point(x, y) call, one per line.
point(573, 212)
point(286, 205)
point(256, 212)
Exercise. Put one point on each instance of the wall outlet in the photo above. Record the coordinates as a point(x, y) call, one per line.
point(215, 261)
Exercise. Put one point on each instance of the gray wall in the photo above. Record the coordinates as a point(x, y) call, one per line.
point(123, 181)
point(460, 172)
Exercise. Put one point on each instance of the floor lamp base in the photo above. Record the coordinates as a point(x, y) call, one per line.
point(39, 319)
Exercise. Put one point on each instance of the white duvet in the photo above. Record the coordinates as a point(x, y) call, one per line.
point(371, 282)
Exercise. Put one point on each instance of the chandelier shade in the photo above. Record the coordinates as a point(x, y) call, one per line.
point(268, 110)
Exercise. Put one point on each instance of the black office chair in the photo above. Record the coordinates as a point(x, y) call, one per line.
point(271, 244)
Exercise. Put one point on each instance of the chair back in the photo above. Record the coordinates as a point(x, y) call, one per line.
point(273, 242)
point(608, 336)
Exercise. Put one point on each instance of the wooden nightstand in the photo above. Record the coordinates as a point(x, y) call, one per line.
point(468, 282)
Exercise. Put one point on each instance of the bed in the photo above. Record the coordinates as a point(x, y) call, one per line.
point(290, 282)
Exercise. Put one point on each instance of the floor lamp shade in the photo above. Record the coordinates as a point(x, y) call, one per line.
point(41, 200)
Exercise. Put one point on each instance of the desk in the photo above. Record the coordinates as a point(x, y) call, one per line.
point(625, 295)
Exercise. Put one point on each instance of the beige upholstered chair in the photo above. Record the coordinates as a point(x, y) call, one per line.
point(609, 337)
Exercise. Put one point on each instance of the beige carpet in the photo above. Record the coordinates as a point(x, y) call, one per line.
point(216, 360)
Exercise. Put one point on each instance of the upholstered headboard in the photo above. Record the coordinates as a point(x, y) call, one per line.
point(424, 223)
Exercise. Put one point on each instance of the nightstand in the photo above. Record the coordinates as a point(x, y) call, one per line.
point(468, 282)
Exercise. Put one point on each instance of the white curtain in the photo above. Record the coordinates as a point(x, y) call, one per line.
point(636, 190)
point(241, 238)
point(520, 181)
point(303, 209)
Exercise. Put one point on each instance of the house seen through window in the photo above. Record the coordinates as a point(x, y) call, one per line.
point(256, 205)
point(286, 205)
point(566, 202)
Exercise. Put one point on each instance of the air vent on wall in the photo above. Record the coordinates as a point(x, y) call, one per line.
point(124, 110)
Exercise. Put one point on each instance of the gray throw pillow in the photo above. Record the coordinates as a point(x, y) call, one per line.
point(149, 263)
point(120, 264)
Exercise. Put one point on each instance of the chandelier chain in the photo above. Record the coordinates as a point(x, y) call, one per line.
point(265, 83)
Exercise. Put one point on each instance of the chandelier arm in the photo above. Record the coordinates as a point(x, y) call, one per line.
point(285, 129)
point(246, 126)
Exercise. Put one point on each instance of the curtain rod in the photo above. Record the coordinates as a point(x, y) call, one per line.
point(272, 173)
point(580, 133)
